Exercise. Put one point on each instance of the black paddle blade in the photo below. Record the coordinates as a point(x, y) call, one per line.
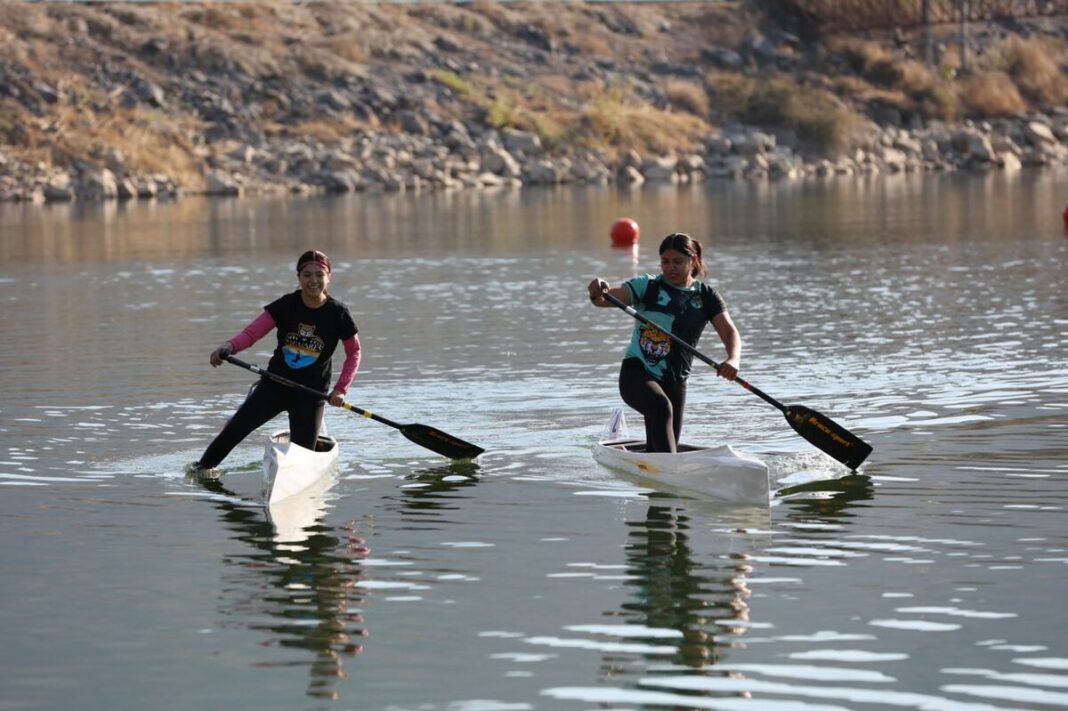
point(441, 442)
point(827, 435)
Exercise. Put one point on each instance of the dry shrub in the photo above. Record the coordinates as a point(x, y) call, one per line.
point(915, 77)
point(860, 55)
point(819, 118)
point(940, 100)
point(918, 88)
point(688, 96)
point(881, 67)
point(1033, 66)
point(989, 94)
point(729, 92)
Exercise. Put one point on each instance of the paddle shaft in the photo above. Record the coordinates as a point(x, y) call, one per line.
point(693, 351)
point(309, 391)
point(425, 436)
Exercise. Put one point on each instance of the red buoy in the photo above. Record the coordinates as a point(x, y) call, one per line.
point(1064, 215)
point(625, 232)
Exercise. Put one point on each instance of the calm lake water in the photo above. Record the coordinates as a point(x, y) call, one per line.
point(926, 314)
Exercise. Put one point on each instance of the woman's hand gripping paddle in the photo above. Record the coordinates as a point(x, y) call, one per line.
point(821, 431)
point(433, 439)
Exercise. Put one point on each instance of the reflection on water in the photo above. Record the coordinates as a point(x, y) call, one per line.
point(828, 498)
point(673, 593)
point(927, 315)
point(427, 488)
point(302, 579)
point(687, 570)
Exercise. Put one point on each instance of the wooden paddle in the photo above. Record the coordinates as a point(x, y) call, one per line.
point(433, 439)
point(820, 430)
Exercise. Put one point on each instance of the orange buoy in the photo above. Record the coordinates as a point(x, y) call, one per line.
point(625, 232)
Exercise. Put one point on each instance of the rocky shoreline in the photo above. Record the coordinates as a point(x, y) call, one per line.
point(453, 160)
point(399, 135)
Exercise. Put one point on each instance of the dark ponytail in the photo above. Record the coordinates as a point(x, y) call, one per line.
point(685, 244)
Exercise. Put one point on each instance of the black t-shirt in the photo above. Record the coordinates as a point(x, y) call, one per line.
point(307, 338)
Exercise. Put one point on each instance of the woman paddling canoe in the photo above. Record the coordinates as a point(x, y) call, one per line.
point(310, 323)
point(652, 378)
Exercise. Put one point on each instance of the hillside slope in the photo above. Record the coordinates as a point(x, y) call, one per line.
point(124, 100)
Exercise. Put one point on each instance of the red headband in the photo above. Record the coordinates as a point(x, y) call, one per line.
point(320, 262)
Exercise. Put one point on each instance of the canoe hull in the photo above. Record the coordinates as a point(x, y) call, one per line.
point(289, 469)
point(721, 473)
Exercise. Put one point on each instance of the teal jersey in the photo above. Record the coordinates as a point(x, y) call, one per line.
point(681, 312)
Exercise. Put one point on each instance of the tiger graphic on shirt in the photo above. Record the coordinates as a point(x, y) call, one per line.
point(302, 348)
point(655, 345)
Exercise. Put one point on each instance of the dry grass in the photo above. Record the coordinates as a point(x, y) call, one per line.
point(150, 141)
point(531, 107)
point(349, 47)
point(688, 96)
point(724, 25)
point(906, 84)
point(467, 20)
point(591, 37)
point(990, 94)
point(329, 132)
point(614, 122)
point(1011, 77)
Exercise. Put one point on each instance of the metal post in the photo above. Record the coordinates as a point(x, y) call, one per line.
point(928, 34)
point(964, 36)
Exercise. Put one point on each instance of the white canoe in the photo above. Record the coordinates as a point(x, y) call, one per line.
point(290, 469)
point(721, 473)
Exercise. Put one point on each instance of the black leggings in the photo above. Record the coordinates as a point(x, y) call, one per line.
point(660, 404)
point(267, 400)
